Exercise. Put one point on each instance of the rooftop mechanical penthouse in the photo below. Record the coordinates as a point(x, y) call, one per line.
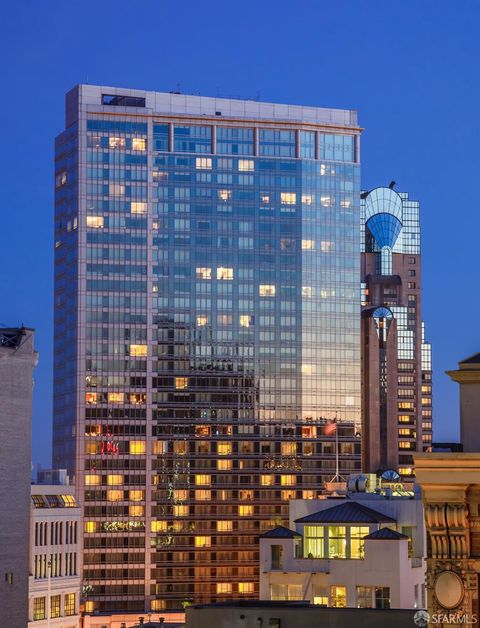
point(207, 331)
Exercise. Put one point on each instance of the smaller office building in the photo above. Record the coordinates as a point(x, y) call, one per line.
point(360, 550)
point(54, 587)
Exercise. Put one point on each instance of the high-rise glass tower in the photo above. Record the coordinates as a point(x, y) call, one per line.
point(396, 358)
point(207, 331)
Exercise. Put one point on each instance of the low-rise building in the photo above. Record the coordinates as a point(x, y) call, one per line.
point(54, 587)
point(361, 550)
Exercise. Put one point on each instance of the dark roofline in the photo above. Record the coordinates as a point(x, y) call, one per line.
point(282, 533)
point(347, 512)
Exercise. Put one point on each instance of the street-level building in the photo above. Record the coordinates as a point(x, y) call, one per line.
point(54, 587)
point(360, 550)
point(207, 331)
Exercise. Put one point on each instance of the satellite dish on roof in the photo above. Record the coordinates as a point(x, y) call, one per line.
point(390, 475)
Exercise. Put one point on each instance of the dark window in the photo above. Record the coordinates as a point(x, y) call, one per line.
point(122, 101)
point(382, 597)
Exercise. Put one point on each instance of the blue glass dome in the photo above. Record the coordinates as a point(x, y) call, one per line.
point(385, 228)
point(382, 312)
point(383, 215)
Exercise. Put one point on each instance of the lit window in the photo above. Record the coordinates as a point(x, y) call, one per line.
point(115, 397)
point(138, 351)
point(181, 383)
point(180, 447)
point(157, 605)
point(337, 542)
point(136, 511)
point(203, 163)
point(60, 179)
point(224, 449)
point(267, 480)
point(180, 494)
point(308, 369)
point(245, 511)
point(404, 444)
point(309, 494)
point(203, 480)
point(159, 447)
point(246, 320)
point(266, 290)
point(405, 471)
point(137, 447)
point(307, 292)
point(246, 165)
point(69, 604)
point(203, 541)
point(114, 495)
point(225, 195)
point(202, 320)
point(91, 397)
point(180, 510)
point(90, 526)
point(114, 480)
point(55, 606)
point(203, 496)
point(307, 199)
point(135, 496)
point(288, 495)
point(39, 608)
point(224, 526)
point(288, 480)
point(139, 143)
point(203, 273)
point(224, 587)
point(89, 606)
point(265, 198)
point(137, 207)
point(288, 449)
point(364, 597)
point(116, 142)
point(357, 543)
point(338, 596)
point(308, 245)
point(95, 222)
point(224, 273)
point(245, 587)
point(326, 201)
point(116, 189)
point(158, 526)
point(404, 418)
point(288, 198)
point(93, 480)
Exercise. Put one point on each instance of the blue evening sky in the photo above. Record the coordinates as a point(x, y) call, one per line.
point(410, 68)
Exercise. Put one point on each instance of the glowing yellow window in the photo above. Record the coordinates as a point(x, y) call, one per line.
point(245, 511)
point(307, 199)
point(158, 526)
point(404, 444)
point(203, 541)
point(90, 526)
point(246, 320)
point(266, 290)
point(116, 142)
point(404, 418)
point(203, 163)
point(95, 222)
point(224, 526)
point(138, 351)
point(224, 449)
point(89, 606)
point(91, 397)
point(267, 480)
point(115, 397)
point(245, 495)
point(203, 496)
point(287, 495)
point(181, 382)
point(180, 510)
point(308, 494)
point(139, 143)
point(203, 272)
point(405, 470)
point(157, 605)
point(225, 195)
point(245, 587)
point(307, 292)
point(308, 245)
point(180, 494)
point(202, 320)
point(114, 480)
point(136, 511)
point(91, 448)
point(178, 526)
point(136, 207)
point(404, 431)
point(246, 165)
point(93, 480)
point(224, 587)
point(159, 447)
point(224, 465)
point(225, 273)
point(288, 480)
point(137, 447)
point(114, 495)
point(288, 449)
point(203, 480)
point(136, 496)
point(180, 447)
point(288, 198)
point(308, 369)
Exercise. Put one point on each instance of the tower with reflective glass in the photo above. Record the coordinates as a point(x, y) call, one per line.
point(396, 359)
point(207, 332)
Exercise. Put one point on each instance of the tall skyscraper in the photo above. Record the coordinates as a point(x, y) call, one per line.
point(17, 361)
point(207, 331)
point(396, 359)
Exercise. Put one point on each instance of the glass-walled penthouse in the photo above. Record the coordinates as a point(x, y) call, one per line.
point(207, 332)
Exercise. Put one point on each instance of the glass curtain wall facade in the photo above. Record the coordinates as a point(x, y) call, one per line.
point(396, 358)
point(207, 332)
